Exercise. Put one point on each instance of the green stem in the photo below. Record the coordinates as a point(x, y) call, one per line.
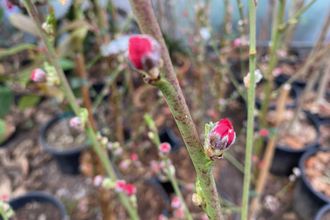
point(170, 175)
point(16, 49)
point(251, 104)
point(101, 152)
point(275, 44)
point(177, 191)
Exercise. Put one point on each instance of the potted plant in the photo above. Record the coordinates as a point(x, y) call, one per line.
point(64, 143)
point(38, 205)
point(294, 141)
point(312, 191)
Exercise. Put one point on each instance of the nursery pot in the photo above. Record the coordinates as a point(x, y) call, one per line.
point(38, 197)
point(293, 94)
point(321, 214)
point(307, 201)
point(286, 158)
point(68, 160)
point(167, 135)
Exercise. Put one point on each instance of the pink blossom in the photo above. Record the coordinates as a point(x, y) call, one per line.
point(38, 75)
point(165, 148)
point(175, 202)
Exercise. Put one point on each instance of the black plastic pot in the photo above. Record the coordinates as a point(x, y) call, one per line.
point(68, 160)
point(40, 197)
point(293, 94)
point(298, 84)
point(322, 120)
point(321, 213)
point(167, 135)
point(156, 184)
point(307, 201)
point(286, 158)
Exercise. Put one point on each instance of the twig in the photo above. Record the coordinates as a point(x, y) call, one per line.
point(251, 104)
point(268, 157)
point(323, 84)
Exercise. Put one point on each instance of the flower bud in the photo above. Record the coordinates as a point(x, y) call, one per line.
point(263, 132)
point(98, 180)
point(175, 202)
point(130, 189)
point(220, 138)
point(38, 75)
point(75, 123)
point(144, 53)
point(165, 148)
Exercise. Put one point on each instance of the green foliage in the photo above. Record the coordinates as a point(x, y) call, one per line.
point(6, 100)
point(28, 101)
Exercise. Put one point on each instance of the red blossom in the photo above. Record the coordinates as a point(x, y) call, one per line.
point(263, 132)
point(222, 135)
point(143, 52)
point(129, 189)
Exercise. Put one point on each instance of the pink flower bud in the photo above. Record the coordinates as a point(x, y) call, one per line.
point(120, 185)
point(175, 202)
point(134, 156)
point(4, 197)
point(237, 42)
point(75, 123)
point(98, 180)
point(144, 52)
point(222, 135)
point(38, 75)
point(263, 132)
point(165, 148)
point(9, 4)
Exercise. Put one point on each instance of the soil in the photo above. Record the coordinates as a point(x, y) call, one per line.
point(326, 216)
point(325, 135)
point(62, 136)
point(317, 169)
point(37, 211)
point(321, 108)
point(301, 134)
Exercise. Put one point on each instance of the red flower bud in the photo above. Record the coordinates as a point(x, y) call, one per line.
point(38, 75)
point(222, 135)
point(129, 189)
point(263, 132)
point(144, 52)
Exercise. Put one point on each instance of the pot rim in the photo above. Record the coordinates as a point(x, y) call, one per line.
point(41, 197)
point(51, 149)
point(302, 160)
point(322, 211)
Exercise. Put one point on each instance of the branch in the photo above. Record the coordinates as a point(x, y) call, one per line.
point(172, 92)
